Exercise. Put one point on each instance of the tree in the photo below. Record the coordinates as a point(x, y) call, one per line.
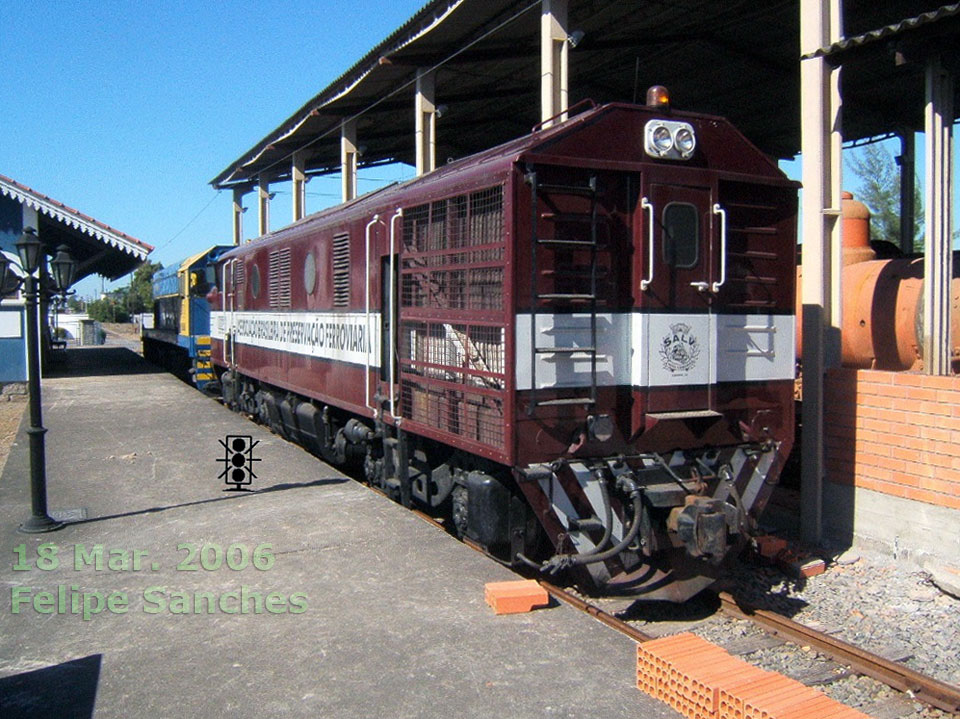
point(139, 296)
point(107, 309)
point(879, 190)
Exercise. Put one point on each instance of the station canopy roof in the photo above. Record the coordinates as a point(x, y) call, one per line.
point(739, 59)
point(97, 247)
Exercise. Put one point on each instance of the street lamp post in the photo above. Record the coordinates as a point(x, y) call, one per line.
point(30, 250)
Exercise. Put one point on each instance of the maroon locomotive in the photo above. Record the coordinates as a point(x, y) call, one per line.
point(581, 342)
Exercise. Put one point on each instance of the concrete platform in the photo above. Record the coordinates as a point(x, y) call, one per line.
point(384, 615)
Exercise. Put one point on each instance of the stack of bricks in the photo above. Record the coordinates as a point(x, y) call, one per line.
point(702, 681)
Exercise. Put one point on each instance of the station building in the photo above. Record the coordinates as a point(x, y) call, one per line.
point(97, 248)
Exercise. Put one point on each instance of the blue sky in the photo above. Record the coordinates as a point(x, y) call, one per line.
point(126, 110)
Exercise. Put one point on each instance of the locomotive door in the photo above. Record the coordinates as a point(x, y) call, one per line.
point(389, 317)
point(229, 304)
point(678, 291)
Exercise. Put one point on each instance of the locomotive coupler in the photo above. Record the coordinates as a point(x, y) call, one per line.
point(703, 524)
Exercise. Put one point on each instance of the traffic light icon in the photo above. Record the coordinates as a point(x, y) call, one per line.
point(238, 461)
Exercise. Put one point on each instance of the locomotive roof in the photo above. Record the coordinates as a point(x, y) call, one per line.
point(549, 146)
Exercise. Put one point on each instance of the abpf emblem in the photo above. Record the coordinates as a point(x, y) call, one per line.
point(679, 349)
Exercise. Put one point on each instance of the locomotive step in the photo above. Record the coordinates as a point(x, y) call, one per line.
point(567, 243)
point(565, 350)
point(565, 401)
point(570, 217)
point(568, 189)
point(684, 414)
point(577, 297)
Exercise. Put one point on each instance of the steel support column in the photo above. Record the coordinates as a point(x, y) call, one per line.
point(348, 160)
point(554, 60)
point(263, 206)
point(937, 265)
point(821, 142)
point(298, 186)
point(908, 211)
point(238, 193)
point(426, 122)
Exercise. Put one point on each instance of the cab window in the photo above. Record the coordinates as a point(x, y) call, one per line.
point(681, 234)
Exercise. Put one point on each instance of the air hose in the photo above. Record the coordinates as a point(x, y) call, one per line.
point(563, 561)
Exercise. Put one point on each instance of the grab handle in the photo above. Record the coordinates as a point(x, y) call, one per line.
point(369, 337)
point(647, 206)
point(393, 314)
point(717, 210)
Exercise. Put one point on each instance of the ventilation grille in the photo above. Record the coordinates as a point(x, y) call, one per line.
point(454, 252)
point(279, 280)
point(341, 271)
point(240, 283)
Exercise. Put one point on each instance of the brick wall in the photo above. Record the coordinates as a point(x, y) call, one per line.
point(894, 432)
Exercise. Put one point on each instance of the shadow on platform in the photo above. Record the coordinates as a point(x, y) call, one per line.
point(234, 495)
point(61, 691)
point(98, 362)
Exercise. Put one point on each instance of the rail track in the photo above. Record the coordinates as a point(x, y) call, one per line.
point(924, 688)
point(894, 674)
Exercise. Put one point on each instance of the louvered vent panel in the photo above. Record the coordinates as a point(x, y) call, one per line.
point(240, 283)
point(279, 282)
point(341, 271)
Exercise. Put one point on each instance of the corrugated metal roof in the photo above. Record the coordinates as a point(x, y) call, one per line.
point(69, 225)
point(739, 59)
point(887, 32)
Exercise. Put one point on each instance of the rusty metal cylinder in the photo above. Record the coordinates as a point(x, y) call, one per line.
point(882, 302)
point(855, 231)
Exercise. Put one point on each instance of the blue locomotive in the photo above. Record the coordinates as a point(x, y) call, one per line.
point(179, 340)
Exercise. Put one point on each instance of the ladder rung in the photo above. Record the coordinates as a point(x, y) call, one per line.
point(568, 189)
point(575, 243)
point(567, 216)
point(565, 401)
point(565, 350)
point(565, 297)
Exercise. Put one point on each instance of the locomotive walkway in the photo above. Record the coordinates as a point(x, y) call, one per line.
point(358, 608)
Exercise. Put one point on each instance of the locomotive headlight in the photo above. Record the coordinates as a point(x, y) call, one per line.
point(662, 140)
point(669, 139)
point(686, 141)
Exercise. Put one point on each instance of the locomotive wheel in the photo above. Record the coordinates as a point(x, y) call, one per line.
point(459, 510)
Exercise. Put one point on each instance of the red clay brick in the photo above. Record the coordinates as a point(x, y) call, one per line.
point(907, 379)
point(515, 597)
point(935, 406)
point(907, 454)
point(769, 546)
point(921, 394)
point(771, 706)
point(820, 708)
point(942, 383)
point(941, 486)
point(936, 433)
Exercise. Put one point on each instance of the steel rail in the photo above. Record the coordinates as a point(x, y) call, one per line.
point(925, 688)
point(560, 594)
point(595, 612)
